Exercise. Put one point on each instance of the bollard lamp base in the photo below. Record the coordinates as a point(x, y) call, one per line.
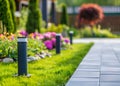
point(28, 75)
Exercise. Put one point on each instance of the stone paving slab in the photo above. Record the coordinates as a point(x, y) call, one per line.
point(110, 68)
point(109, 84)
point(110, 72)
point(82, 83)
point(100, 67)
point(85, 79)
point(110, 64)
point(80, 74)
point(89, 66)
point(110, 78)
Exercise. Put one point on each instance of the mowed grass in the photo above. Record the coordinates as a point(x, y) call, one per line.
point(54, 71)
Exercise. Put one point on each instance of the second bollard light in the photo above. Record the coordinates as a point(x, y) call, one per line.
point(58, 43)
point(71, 37)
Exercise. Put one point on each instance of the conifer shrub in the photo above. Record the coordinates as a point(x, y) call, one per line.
point(5, 16)
point(13, 9)
point(64, 15)
point(34, 17)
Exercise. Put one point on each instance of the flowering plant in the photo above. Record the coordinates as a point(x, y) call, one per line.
point(37, 43)
point(49, 39)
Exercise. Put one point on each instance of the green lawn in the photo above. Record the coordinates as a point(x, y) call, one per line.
point(54, 71)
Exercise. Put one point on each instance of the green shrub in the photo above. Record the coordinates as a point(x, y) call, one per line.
point(34, 17)
point(23, 18)
point(85, 32)
point(97, 31)
point(35, 47)
point(53, 28)
point(8, 48)
point(6, 16)
point(64, 15)
point(76, 32)
point(13, 9)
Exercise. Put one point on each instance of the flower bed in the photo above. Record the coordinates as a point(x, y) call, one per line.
point(37, 44)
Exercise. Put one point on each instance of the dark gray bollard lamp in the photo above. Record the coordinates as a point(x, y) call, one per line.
point(22, 56)
point(71, 37)
point(58, 47)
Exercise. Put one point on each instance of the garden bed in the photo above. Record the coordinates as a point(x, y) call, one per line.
point(54, 71)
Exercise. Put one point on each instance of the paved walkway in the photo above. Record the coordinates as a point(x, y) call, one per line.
point(100, 67)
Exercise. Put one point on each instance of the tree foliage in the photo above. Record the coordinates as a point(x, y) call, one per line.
point(64, 15)
point(13, 9)
point(34, 17)
point(5, 15)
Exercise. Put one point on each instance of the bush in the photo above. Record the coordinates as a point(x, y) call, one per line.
point(23, 18)
point(34, 17)
point(97, 31)
point(13, 9)
point(52, 28)
point(8, 47)
point(90, 14)
point(75, 30)
point(36, 43)
point(6, 16)
point(64, 16)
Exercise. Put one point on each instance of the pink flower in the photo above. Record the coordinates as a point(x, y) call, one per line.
point(53, 41)
point(35, 35)
point(23, 33)
point(40, 36)
point(48, 44)
point(66, 40)
point(53, 34)
point(47, 35)
point(61, 37)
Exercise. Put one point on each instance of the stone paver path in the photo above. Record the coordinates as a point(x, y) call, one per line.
point(100, 67)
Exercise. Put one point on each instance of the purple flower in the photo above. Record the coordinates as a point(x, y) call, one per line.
point(53, 41)
point(66, 40)
point(48, 44)
point(23, 33)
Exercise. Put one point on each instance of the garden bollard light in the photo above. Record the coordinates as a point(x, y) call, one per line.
point(58, 43)
point(71, 37)
point(22, 56)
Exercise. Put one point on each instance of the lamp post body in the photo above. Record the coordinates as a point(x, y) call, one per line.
point(58, 44)
point(71, 37)
point(22, 56)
